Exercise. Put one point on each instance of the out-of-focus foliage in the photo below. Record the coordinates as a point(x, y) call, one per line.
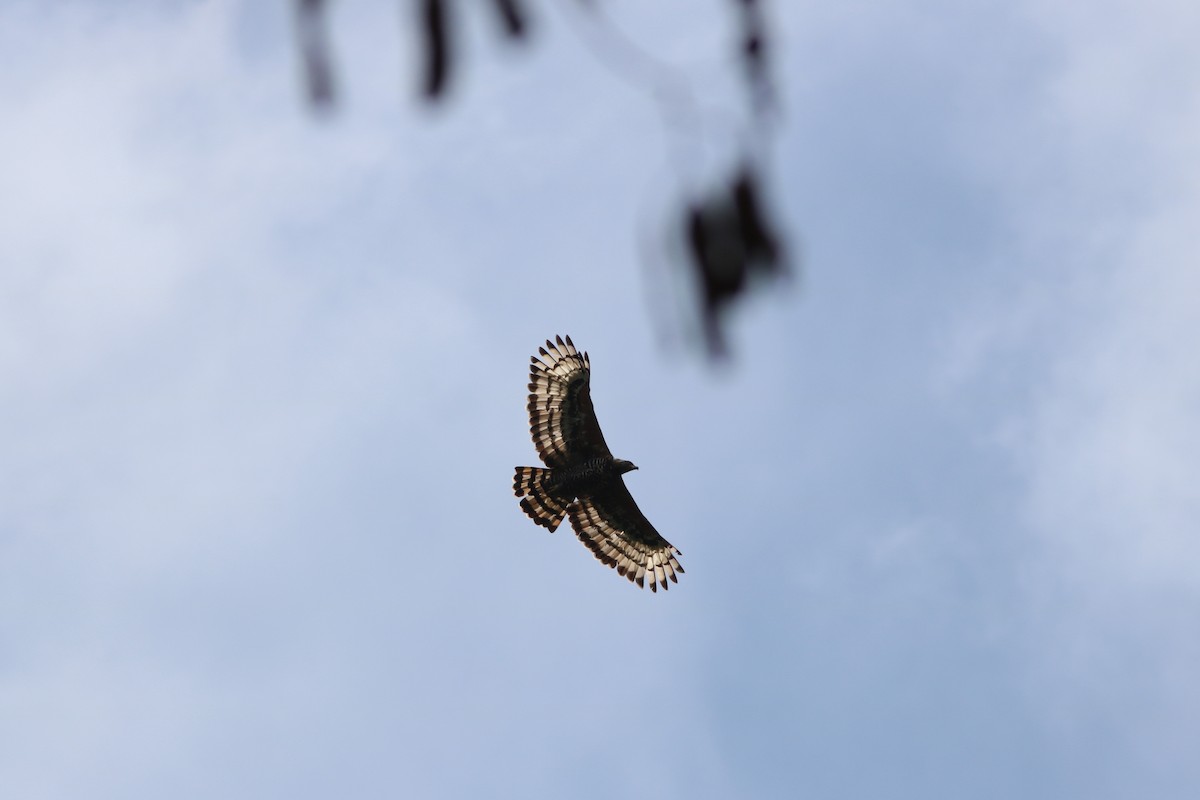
point(730, 233)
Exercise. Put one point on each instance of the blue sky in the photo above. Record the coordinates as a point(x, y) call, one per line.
point(262, 386)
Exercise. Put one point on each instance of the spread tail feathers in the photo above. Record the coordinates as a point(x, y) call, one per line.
point(542, 506)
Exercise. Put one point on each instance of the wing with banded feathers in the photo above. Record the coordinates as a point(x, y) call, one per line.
point(561, 417)
point(618, 533)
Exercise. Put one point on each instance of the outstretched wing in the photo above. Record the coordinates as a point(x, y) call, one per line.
point(561, 417)
point(618, 533)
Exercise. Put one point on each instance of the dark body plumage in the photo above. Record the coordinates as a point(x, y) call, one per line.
point(582, 480)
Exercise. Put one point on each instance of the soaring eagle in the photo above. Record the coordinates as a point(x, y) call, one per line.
point(584, 480)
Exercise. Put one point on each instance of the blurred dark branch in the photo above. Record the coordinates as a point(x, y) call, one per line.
point(669, 86)
point(731, 240)
point(435, 33)
point(437, 25)
point(512, 18)
point(755, 53)
point(314, 50)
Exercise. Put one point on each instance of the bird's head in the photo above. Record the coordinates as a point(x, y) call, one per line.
point(624, 466)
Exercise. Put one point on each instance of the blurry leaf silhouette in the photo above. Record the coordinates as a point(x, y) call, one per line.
point(314, 49)
point(435, 24)
point(436, 37)
point(731, 238)
point(437, 32)
point(761, 241)
point(729, 243)
point(512, 18)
